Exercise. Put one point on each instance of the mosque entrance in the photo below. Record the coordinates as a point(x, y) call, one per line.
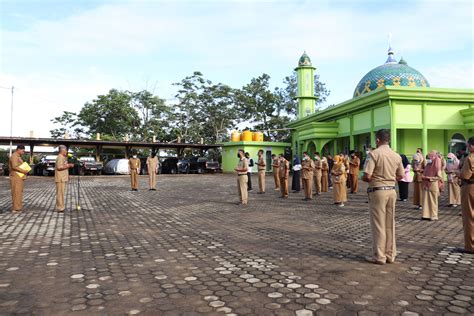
point(457, 144)
point(311, 149)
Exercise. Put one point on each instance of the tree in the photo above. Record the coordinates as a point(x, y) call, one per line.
point(68, 124)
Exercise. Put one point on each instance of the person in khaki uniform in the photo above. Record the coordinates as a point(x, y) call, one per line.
point(339, 189)
point(307, 167)
point(61, 177)
point(16, 181)
point(454, 189)
point(242, 180)
point(261, 172)
point(134, 165)
point(152, 167)
point(432, 185)
point(345, 159)
point(317, 174)
point(283, 172)
point(418, 164)
point(467, 198)
point(382, 169)
point(354, 164)
point(324, 174)
point(276, 177)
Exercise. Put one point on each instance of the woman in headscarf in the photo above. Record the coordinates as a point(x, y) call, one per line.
point(431, 186)
point(418, 165)
point(296, 180)
point(404, 183)
point(324, 174)
point(443, 173)
point(339, 189)
point(454, 190)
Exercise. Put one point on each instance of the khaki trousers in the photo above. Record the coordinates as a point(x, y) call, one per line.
point(152, 179)
point(16, 186)
point(60, 189)
point(454, 192)
point(284, 187)
point(417, 193)
point(467, 204)
point(355, 183)
point(429, 201)
point(317, 182)
point(324, 182)
point(134, 178)
point(276, 178)
point(308, 188)
point(242, 188)
point(382, 224)
point(261, 180)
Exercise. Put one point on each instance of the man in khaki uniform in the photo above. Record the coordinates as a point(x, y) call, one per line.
point(134, 165)
point(307, 166)
point(382, 170)
point(261, 172)
point(317, 173)
point(283, 172)
point(16, 181)
point(276, 177)
point(242, 179)
point(467, 198)
point(152, 167)
point(354, 164)
point(61, 177)
point(418, 164)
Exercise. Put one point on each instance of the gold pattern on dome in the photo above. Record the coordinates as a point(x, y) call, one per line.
point(380, 83)
point(366, 87)
point(357, 93)
point(411, 82)
point(396, 81)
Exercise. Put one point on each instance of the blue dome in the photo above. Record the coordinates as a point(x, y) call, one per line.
point(392, 73)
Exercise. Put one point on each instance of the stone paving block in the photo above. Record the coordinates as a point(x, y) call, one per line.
point(188, 249)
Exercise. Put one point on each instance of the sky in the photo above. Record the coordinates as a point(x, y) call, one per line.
point(60, 54)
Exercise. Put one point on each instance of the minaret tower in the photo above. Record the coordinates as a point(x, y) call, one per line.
point(305, 94)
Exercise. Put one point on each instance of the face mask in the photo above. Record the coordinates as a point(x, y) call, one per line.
point(367, 152)
point(134, 156)
point(428, 161)
point(450, 160)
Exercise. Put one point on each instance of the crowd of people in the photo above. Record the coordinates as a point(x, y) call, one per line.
point(383, 169)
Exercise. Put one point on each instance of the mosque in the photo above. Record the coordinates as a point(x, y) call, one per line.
point(394, 96)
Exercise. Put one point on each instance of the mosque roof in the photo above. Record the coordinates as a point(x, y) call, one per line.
point(391, 73)
point(304, 60)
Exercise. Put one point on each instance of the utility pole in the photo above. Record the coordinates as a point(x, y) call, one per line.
point(11, 123)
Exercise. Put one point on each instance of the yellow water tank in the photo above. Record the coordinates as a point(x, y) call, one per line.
point(246, 136)
point(257, 137)
point(235, 136)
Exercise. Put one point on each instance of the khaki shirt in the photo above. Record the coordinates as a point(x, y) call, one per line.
point(261, 163)
point(418, 170)
point(307, 168)
point(324, 166)
point(13, 164)
point(384, 165)
point(354, 165)
point(284, 169)
point(275, 164)
point(467, 171)
point(134, 164)
point(152, 163)
point(243, 164)
point(61, 175)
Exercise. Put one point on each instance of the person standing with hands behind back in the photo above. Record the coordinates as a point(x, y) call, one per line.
point(250, 165)
point(61, 177)
point(276, 177)
point(261, 172)
point(284, 172)
point(152, 167)
point(134, 165)
point(382, 169)
point(242, 168)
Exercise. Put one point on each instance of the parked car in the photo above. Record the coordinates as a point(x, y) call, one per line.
point(46, 166)
point(88, 165)
point(197, 165)
point(169, 165)
point(116, 166)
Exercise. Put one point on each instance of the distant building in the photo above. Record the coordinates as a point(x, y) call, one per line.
point(393, 96)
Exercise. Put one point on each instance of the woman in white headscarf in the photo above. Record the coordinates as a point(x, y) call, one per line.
point(454, 190)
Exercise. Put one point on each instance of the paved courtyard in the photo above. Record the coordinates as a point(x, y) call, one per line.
point(187, 249)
